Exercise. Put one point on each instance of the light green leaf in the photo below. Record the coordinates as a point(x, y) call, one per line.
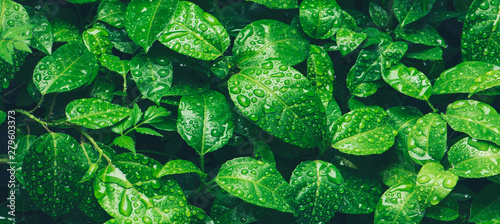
point(486, 84)
point(112, 13)
point(12, 14)
point(434, 183)
point(460, 78)
point(485, 204)
point(400, 204)
point(427, 139)
point(278, 4)
point(115, 64)
point(205, 121)
point(153, 75)
point(195, 33)
point(426, 35)
point(145, 21)
point(125, 142)
point(148, 131)
point(320, 19)
point(255, 182)
point(408, 11)
point(270, 39)
point(155, 114)
point(179, 167)
point(363, 131)
point(280, 100)
point(472, 158)
point(362, 191)
point(15, 38)
point(97, 41)
point(477, 119)
point(408, 81)
point(348, 40)
point(69, 67)
point(320, 72)
point(95, 113)
point(310, 182)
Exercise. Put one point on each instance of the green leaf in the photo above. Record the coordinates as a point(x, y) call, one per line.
point(399, 204)
point(362, 191)
point(64, 31)
point(333, 113)
point(255, 182)
point(480, 40)
point(23, 144)
point(95, 113)
point(270, 39)
point(12, 14)
point(125, 142)
point(460, 78)
point(155, 114)
point(408, 11)
point(281, 101)
point(263, 152)
point(320, 19)
point(278, 4)
point(348, 40)
point(472, 158)
point(112, 13)
point(145, 21)
point(434, 183)
point(230, 209)
point(114, 64)
point(408, 81)
point(310, 182)
point(153, 75)
point(42, 38)
point(395, 175)
point(477, 119)
point(90, 207)
point(446, 210)
point(205, 121)
point(55, 158)
point(223, 66)
point(378, 15)
point(485, 204)
point(425, 35)
point(15, 38)
point(3, 115)
point(432, 54)
point(320, 72)
point(97, 41)
point(148, 131)
point(402, 119)
point(485, 84)
point(427, 139)
point(195, 33)
point(179, 167)
point(363, 131)
point(128, 190)
point(69, 67)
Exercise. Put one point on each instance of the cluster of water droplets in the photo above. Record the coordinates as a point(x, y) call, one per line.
point(320, 22)
point(474, 158)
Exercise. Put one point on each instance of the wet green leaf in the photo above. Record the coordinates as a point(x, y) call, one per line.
point(472, 158)
point(278, 4)
point(320, 19)
point(23, 144)
point(230, 209)
point(255, 182)
point(485, 204)
point(409, 81)
point(318, 190)
point(64, 31)
point(486, 84)
point(426, 35)
point(477, 119)
point(281, 101)
point(69, 67)
point(402, 119)
point(53, 167)
point(112, 12)
point(12, 14)
point(320, 72)
point(125, 142)
point(115, 64)
point(399, 204)
point(446, 210)
point(363, 131)
point(179, 167)
point(153, 75)
point(223, 66)
point(145, 21)
point(7, 70)
point(90, 207)
point(97, 41)
point(95, 113)
point(270, 39)
point(263, 152)
point(395, 175)
point(434, 183)
point(362, 191)
point(432, 54)
point(378, 15)
point(14, 39)
point(460, 78)
point(42, 37)
point(348, 40)
point(427, 139)
point(195, 33)
point(205, 121)
point(408, 11)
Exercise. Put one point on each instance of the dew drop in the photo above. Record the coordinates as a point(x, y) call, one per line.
point(243, 100)
point(125, 207)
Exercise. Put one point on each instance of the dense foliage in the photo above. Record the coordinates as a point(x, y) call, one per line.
point(261, 111)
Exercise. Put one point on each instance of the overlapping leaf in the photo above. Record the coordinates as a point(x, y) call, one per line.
point(426, 35)
point(12, 14)
point(97, 41)
point(487, 84)
point(427, 139)
point(473, 158)
point(362, 192)
point(434, 183)
point(320, 72)
point(42, 37)
point(400, 204)
point(460, 78)
point(320, 19)
point(95, 113)
point(485, 204)
point(348, 40)
point(153, 75)
point(408, 81)
point(408, 11)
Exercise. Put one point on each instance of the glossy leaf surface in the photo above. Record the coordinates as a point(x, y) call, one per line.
point(179, 167)
point(402, 119)
point(486, 84)
point(320, 19)
point(12, 14)
point(320, 72)
point(42, 37)
point(95, 113)
point(485, 204)
point(446, 210)
point(97, 41)
point(153, 75)
point(460, 78)
point(426, 35)
point(434, 183)
point(348, 40)
point(427, 139)
point(64, 31)
point(112, 13)
point(472, 158)
point(395, 175)
point(378, 15)
point(408, 11)
point(399, 204)
point(278, 4)
point(362, 192)
point(408, 81)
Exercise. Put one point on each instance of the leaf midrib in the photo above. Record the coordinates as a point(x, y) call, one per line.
point(63, 73)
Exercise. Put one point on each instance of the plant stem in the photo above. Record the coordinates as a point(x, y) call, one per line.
point(202, 163)
point(38, 104)
point(52, 107)
point(430, 105)
point(101, 153)
point(28, 114)
point(124, 88)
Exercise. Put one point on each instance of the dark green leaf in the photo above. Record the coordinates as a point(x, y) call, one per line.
point(426, 35)
point(399, 204)
point(408, 11)
point(179, 167)
point(434, 183)
point(95, 113)
point(223, 66)
point(263, 152)
point(42, 37)
point(64, 31)
point(472, 158)
point(362, 192)
point(320, 19)
point(446, 210)
point(278, 4)
point(461, 77)
point(403, 119)
point(230, 209)
point(112, 13)
point(427, 139)
point(153, 75)
point(378, 15)
point(320, 72)
point(485, 204)
point(408, 81)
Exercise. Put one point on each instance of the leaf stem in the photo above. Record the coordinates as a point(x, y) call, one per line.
point(38, 104)
point(124, 88)
point(101, 153)
point(28, 114)
point(432, 107)
point(202, 163)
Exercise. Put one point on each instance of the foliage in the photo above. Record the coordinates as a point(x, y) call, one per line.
point(257, 111)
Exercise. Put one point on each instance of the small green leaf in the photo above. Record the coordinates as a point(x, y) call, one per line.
point(427, 139)
point(255, 182)
point(472, 158)
point(205, 121)
point(115, 64)
point(460, 78)
point(155, 114)
point(399, 204)
point(320, 19)
point(408, 11)
point(270, 39)
point(125, 142)
point(434, 183)
point(394, 176)
point(145, 21)
point(485, 204)
point(42, 38)
point(426, 35)
point(363, 131)
point(310, 181)
point(408, 81)
point(148, 131)
point(97, 41)
point(69, 67)
point(179, 167)
point(320, 72)
point(12, 39)
point(477, 119)
point(195, 33)
point(378, 15)
point(223, 66)
point(446, 210)
point(153, 75)
point(64, 31)
point(348, 40)
point(263, 152)
point(278, 4)
point(362, 191)
point(402, 119)
point(487, 83)
point(432, 54)
point(112, 13)
point(95, 113)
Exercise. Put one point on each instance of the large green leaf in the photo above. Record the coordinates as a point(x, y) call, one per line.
point(485, 204)
point(145, 21)
point(69, 67)
point(426, 35)
point(280, 100)
point(112, 13)
point(270, 39)
point(434, 183)
point(52, 169)
point(95, 113)
point(472, 158)
point(318, 189)
point(12, 14)
point(427, 139)
point(320, 72)
point(408, 11)
point(153, 75)
point(460, 78)
point(362, 191)
point(205, 121)
point(255, 182)
point(400, 205)
point(363, 131)
point(477, 119)
point(195, 33)
point(97, 41)
point(408, 81)
point(486, 84)
point(320, 19)
point(480, 35)
point(278, 4)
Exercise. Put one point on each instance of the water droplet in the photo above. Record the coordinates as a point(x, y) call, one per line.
point(259, 92)
point(243, 100)
point(449, 183)
point(40, 189)
point(163, 72)
point(215, 133)
point(125, 207)
point(423, 179)
point(11, 23)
